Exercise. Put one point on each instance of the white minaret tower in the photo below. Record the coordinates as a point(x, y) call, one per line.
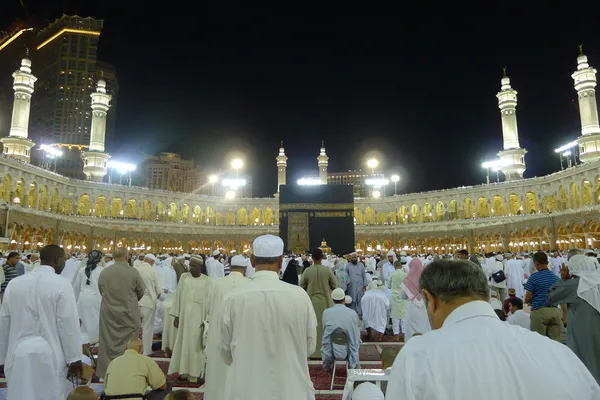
point(17, 144)
point(513, 156)
point(94, 160)
point(281, 167)
point(323, 162)
point(585, 84)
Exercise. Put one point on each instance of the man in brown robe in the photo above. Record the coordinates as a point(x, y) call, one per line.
point(121, 287)
point(319, 282)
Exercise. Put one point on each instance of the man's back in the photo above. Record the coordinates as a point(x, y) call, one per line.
point(268, 330)
point(40, 305)
point(121, 286)
point(132, 373)
point(473, 349)
point(318, 280)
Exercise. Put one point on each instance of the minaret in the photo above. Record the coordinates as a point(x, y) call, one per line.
point(94, 160)
point(281, 167)
point(513, 156)
point(17, 144)
point(323, 162)
point(585, 84)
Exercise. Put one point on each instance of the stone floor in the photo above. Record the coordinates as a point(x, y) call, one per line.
point(369, 358)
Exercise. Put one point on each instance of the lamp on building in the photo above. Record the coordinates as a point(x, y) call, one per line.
point(395, 178)
point(565, 151)
point(230, 195)
point(494, 165)
point(213, 179)
point(122, 168)
point(237, 164)
point(50, 153)
point(372, 163)
point(309, 181)
point(376, 194)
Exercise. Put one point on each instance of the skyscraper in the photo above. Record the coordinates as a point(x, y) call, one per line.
point(65, 60)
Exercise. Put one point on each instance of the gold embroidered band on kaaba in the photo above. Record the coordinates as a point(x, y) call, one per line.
point(325, 214)
point(316, 206)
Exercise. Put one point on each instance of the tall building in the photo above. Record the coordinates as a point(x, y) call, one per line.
point(168, 171)
point(65, 62)
point(356, 178)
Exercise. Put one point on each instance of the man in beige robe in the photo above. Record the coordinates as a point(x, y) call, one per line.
point(216, 369)
point(190, 309)
point(319, 282)
point(121, 287)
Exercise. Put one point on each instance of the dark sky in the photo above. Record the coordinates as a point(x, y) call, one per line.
point(417, 90)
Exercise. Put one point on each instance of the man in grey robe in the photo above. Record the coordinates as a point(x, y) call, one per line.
point(579, 289)
point(121, 287)
point(358, 282)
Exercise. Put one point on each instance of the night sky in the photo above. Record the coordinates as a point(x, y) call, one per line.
point(416, 90)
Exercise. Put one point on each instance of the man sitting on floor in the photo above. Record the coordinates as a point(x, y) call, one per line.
point(133, 372)
point(340, 316)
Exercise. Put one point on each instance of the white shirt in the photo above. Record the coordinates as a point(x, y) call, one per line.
point(249, 269)
point(284, 319)
point(168, 279)
point(455, 362)
point(39, 335)
point(71, 269)
point(152, 284)
point(215, 269)
point(375, 307)
point(493, 267)
point(520, 318)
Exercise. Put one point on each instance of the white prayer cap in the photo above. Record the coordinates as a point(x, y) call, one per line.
point(181, 257)
point(354, 254)
point(590, 251)
point(35, 253)
point(372, 285)
point(493, 293)
point(403, 253)
point(499, 257)
point(367, 391)
point(338, 294)
point(267, 246)
point(391, 253)
point(108, 255)
point(215, 253)
point(348, 300)
point(403, 260)
point(150, 256)
point(186, 255)
point(238, 261)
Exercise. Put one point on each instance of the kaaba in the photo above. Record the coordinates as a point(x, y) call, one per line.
point(309, 215)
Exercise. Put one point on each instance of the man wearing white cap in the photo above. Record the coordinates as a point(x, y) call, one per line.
point(215, 267)
point(108, 260)
point(367, 391)
point(216, 369)
point(268, 330)
point(147, 303)
point(387, 270)
point(340, 317)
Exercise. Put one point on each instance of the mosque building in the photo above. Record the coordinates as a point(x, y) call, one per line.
point(39, 206)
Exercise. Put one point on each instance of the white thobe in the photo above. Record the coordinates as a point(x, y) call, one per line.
point(215, 269)
point(216, 369)
point(459, 356)
point(515, 276)
point(375, 309)
point(168, 279)
point(491, 268)
point(39, 335)
point(386, 272)
point(249, 269)
point(31, 266)
point(71, 269)
point(556, 265)
point(520, 318)
point(147, 303)
point(287, 327)
point(108, 264)
point(88, 302)
point(371, 264)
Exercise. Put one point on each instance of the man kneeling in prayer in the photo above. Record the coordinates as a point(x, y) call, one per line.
point(340, 316)
point(132, 373)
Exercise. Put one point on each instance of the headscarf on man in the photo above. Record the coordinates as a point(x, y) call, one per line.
point(392, 254)
point(589, 279)
point(372, 285)
point(94, 257)
point(410, 284)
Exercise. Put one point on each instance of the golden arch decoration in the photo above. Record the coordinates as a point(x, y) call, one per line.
point(514, 204)
point(209, 216)
point(255, 216)
point(549, 204)
point(586, 193)
point(100, 208)
point(369, 217)
point(229, 218)
point(6, 188)
point(453, 209)
point(173, 213)
point(131, 209)
point(532, 205)
point(32, 196)
point(498, 209)
point(242, 216)
point(427, 214)
point(67, 206)
point(598, 190)
point(483, 207)
point(116, 207)
point(440, 211)
point(43, 204)
point(146, 210)
point(468, 208)
point(268, 216)
point(358, 217)
point(84, 205)
point(403, 214)
point(54, 201)
point(197, 214)
point(185, 213)
point(575, 197)
point(161, 212)
point(563, 199)
point(19, 196)
point(414, 214)
point(219, 218)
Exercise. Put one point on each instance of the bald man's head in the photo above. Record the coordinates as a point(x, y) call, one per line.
point(83, 393)
point(135, 344)
point(120, 254)
point(182, 394)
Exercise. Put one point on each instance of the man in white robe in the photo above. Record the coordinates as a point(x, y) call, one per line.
point(515, 276)
point(375, 309)
point(71, 269)
point(249, 268)
point(216, 369)
point(148, 302)
point(168, 279)
point(283, 317)
point(469, 345)
point(386, 272)
point(40, 342)
point(190, 309)
point(215, 267)
point(108, 260)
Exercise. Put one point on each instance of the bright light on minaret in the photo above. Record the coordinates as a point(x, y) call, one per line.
point(513, 156)
point(17, 143)
point(323, 162)
point(585, 84)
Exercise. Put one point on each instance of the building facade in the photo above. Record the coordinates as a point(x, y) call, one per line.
point(356, 178)
point(168, 171)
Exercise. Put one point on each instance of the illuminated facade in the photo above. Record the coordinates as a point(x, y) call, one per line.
point(358, 180)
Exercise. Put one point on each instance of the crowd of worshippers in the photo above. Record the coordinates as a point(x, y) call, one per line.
point(248, 325)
